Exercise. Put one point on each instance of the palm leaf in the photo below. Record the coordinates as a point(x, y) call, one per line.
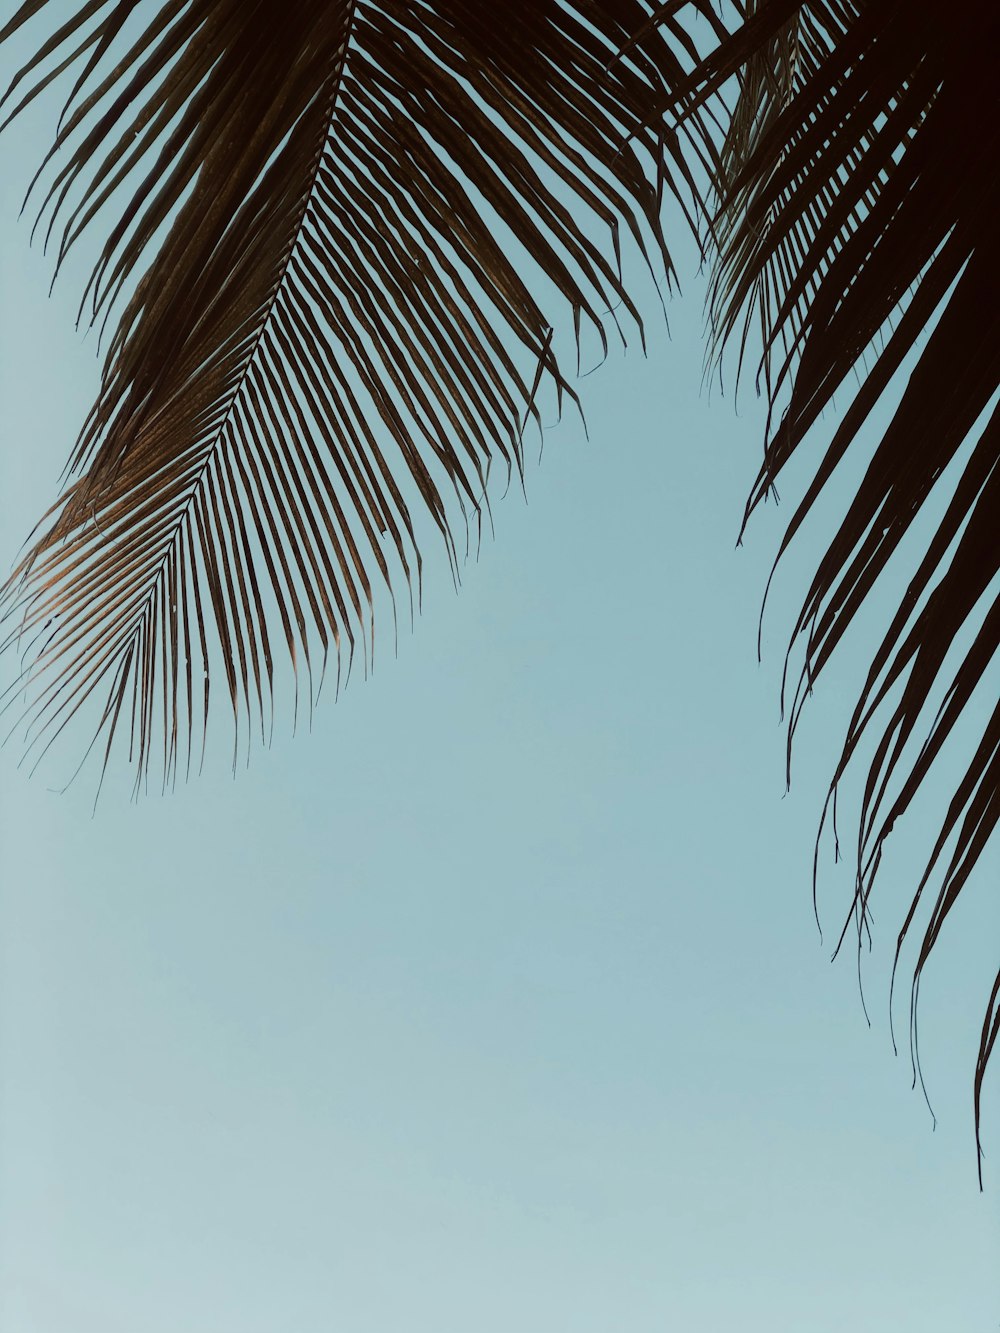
point(330, 329)
point(856, 221)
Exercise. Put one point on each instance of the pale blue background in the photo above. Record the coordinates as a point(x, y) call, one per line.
point(496, 1004)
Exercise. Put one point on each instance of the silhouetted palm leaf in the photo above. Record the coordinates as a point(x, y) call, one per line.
point(330, 326)
point(859, 199)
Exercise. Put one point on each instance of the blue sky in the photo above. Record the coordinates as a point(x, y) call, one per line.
point(496, 1001)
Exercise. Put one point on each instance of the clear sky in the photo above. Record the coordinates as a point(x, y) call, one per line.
point(495, 1004)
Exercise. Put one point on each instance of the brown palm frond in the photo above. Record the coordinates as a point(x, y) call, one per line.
point(331, 327)
point(857, 217)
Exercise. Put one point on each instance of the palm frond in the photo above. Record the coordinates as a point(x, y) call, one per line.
point(858, 200)
point(330, 329)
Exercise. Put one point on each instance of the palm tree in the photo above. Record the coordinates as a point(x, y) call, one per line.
point(325, 224)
